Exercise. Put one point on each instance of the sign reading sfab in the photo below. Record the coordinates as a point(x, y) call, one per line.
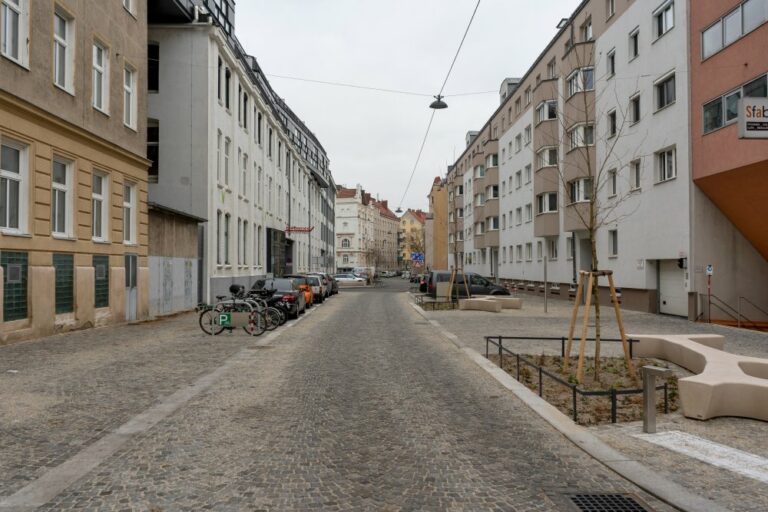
point(753, 118)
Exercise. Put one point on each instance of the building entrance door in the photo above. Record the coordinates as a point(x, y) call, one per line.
point(131, 293)
point(672, 295)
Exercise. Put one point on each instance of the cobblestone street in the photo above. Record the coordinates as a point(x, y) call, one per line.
point(360, 406)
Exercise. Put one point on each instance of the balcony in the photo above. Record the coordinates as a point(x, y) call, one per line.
point(170, 11)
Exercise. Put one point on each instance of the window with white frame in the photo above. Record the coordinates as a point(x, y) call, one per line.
point(528, 96)
point(724, 110)
point(634, 43)
point(219, 233)
point(569, 248)
point(527, 135)
point(546, 111)
point(612, 183)
point(581, 136)
point(528, 173)
point(580, 190)
point(128, 4)
point(539, 250)
point(227, 219)
point(492, 160)
point(665, 91)
point(582, 79)
point(227, 154)
point(610, 8)
point(634, 109)
point(100, 88)
point(129, 97)
point(99, 206)
point(552, 68)
point(63, 51)
point(546, 202)
point(492, 192)
point(529, 251)
point(519, 179)
point(612, 128)
point(518, 142)
point(519, 252)
point(259, 188)
point(493, 223)
point(219, 140)
point(129, 213)
point(529, 212)
point(613, 242)
point(519, 215)
point(61, 197)
point(245, 242)
point(666, 164)
point(664, 18)
point(14, 29)
point(586, 30)
point(635, 172)
point(13, 186)
point(610, 63)
point(239, 241)
point(552, 248)
point(547, 157)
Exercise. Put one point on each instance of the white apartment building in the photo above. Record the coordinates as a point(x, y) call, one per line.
point(233, 154)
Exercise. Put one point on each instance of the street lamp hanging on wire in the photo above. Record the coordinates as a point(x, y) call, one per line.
point(438, 104)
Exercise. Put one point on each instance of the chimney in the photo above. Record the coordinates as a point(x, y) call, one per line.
point(385, 205)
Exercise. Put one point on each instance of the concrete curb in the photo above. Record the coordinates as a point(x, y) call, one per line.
point(665, 490)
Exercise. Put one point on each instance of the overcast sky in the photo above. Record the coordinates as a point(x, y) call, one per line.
point(373, 138)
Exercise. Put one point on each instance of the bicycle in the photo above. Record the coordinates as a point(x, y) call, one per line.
point(257, 322)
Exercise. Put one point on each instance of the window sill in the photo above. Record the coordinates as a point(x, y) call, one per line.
point(635, 190)
point(633, 123)
point(633, 58)
point(130, 244)
point(665, 107)
point(101, 111)
point(129, 12)
point(613, 256)
point(18, 62)
point(132, 128)
point(62, 236)
point(100, 241)
point(71, 92)
point(661, 35)
point(673, 178)
point(18, 234)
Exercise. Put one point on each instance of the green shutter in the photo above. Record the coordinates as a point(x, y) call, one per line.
point(15, 285)
point(101, 281)
point(64, 265)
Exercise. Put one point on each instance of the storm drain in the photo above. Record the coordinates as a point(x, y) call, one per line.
point(607, 503)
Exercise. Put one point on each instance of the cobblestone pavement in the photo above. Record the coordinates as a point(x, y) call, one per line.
point(361, 406)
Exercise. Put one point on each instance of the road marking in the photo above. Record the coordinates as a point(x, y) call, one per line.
point(54, 481)
point(719, 455)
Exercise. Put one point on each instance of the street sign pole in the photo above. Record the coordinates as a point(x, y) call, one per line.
point(710, 271)
point(546, 284)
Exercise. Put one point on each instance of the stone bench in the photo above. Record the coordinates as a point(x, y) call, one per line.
point(507, 302)
point(480, 305)
point(724, 385)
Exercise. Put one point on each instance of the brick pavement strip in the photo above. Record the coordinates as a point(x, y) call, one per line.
point(362, 406)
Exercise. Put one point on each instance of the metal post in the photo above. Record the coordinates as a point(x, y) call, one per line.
point(738, 305)
point(541, 391)
point(517, 356)
point(573, 390)
point(562, 346)
point(613, 405)
point(649, 374)
point(666, 399)
point(631, 349)
point(500, 354)
point(709, 299)
point(546, 286)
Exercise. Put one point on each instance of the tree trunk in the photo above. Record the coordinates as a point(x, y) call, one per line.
point(596, 288)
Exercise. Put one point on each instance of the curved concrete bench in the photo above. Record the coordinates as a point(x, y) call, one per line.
point(507, 302)
point(480, 305)
point(724, 385)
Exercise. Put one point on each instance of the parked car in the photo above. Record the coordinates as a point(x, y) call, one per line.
point(318, 288)
point(327, 282)
point(405, 275)
point(478, 285)
point(348, 278)
point(290, 298)
point(305, 287)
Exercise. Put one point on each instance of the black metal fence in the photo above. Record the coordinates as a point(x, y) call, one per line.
point(612, 394)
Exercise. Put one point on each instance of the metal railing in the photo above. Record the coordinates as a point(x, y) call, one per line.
point(575, 390)
point(758, 308)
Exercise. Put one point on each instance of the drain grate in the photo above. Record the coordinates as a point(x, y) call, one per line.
point(607, 503)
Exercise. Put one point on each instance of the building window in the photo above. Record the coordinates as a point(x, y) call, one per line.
point(518, 142)
point(129, 213)
point(128, 4)
point(227, 153)
point(547, 157)
point(519, 252)
point(528, 172)
point(634, 43)
point(569, 248)
point(518, 106)
point(552, 248)
point(153, 67)
point(528, 96)
point(269, 143)
point(612, 129)
point(634, 109)
point(586, 30)
point(666, 164)
point(493, 223)
point(665, 92)
point(100, 78)
point(101, 281)
point(99, 207)
point(613, 243)
point(219, 231)
point(612, 183)
point(63, 51)
point(239, 241)
point(664, 18)
point(14, 26)
point(546, 110)
point(581, 136)
point(220, 77)
point(580, 190)
point(728, 29)
point(219, 138)
point(546, 202)
point(529, 251)
point(61, 197)
point(529, 212)
point(724, 110)
point(610, 8)
point(539, 250)
point(527, 135)
point(244, 177)
point(552, 69)
point(13, 186)
point(611, 63)
point(227, 218)
point(634, 175)
point(153, 149)
point(519, 215)
point(581, 80)
point(227, 87)
point(129, 98)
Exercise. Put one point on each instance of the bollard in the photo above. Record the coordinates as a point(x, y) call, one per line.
point(649, 374)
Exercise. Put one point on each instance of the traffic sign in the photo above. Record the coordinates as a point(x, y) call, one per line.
point(225, 319)
point(710, 269)
point(417, 256)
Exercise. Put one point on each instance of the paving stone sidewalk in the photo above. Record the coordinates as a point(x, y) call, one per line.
point(726, 487)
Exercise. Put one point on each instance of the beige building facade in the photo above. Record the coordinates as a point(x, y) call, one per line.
point(73, 173)
point(411, 237)
point(436, 227)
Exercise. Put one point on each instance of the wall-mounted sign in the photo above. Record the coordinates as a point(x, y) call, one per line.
point(710, 270)
point(299, 229)
point(753, 118)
